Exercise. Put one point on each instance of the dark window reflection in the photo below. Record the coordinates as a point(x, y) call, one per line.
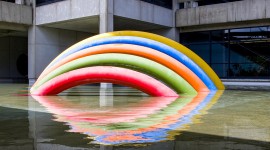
point(210, 2)
point(234, 53)
point(12, 1)
point(221, 69)
point(195, 37)
point(206, 2)
point(219, 36)
point(219, 53)
point(45, 2)
point(202, 50)
point(162, 3)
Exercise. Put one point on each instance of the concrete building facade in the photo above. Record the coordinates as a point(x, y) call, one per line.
point(15, 20)
point(231, 35)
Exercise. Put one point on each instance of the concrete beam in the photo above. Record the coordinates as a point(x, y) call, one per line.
point(221, 26)
point(238, 13)
point(66, 10)
point(106, 22)
point(267, 9)
point(13, 26)
point(15, 13)
point(139, 10)
point(246, 84)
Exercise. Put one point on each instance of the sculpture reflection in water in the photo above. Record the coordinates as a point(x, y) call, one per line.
point(152, 119)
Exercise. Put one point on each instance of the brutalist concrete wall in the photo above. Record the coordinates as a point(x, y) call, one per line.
point(15, 13)
point(240, 13)
point(139, 10)
point(66, 10)
point(46, 43)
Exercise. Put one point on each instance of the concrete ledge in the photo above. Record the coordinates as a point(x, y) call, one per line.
point(13, 26)
point(227, 25)
point(15, 13)
point(233, 12)
point(139, 10)
point(247, 84)
point(66, 10)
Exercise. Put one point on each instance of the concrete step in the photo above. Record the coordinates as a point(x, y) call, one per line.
point(247, 84)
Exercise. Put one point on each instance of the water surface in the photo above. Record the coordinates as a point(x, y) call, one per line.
point(122, 118)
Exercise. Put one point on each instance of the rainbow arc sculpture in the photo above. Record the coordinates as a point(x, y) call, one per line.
point(151, 63)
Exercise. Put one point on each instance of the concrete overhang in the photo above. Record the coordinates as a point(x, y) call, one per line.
point(91, 24)
point(122, 23)
point(83, 15)
point(87, 24)
point(226, 15)
point(15, 16)
point(76, 15)
point(68, 10)
point(143, 12)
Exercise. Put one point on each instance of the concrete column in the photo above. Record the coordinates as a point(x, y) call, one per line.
point(32, 120)
point(106, 24)
point(31, 55)
point(106, 97)
point(106, 16)
point(31, 76)
point(31, 48)
point(173, 32)
point(44, 44)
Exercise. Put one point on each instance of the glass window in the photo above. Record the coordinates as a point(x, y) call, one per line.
point(239, 54)
point(210, 2)
point(219, 36)
point(181, 5)
point(239, 34)
point(12, 1)
point(221, 69)
point(250, 34)
point(249, 70)
point(194, 37)
point(203, 50)
point(233, 53)
point(162, 3)
point(251, 58)
point(219, 53)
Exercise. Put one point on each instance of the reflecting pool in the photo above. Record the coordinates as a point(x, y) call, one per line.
point(86, 117)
